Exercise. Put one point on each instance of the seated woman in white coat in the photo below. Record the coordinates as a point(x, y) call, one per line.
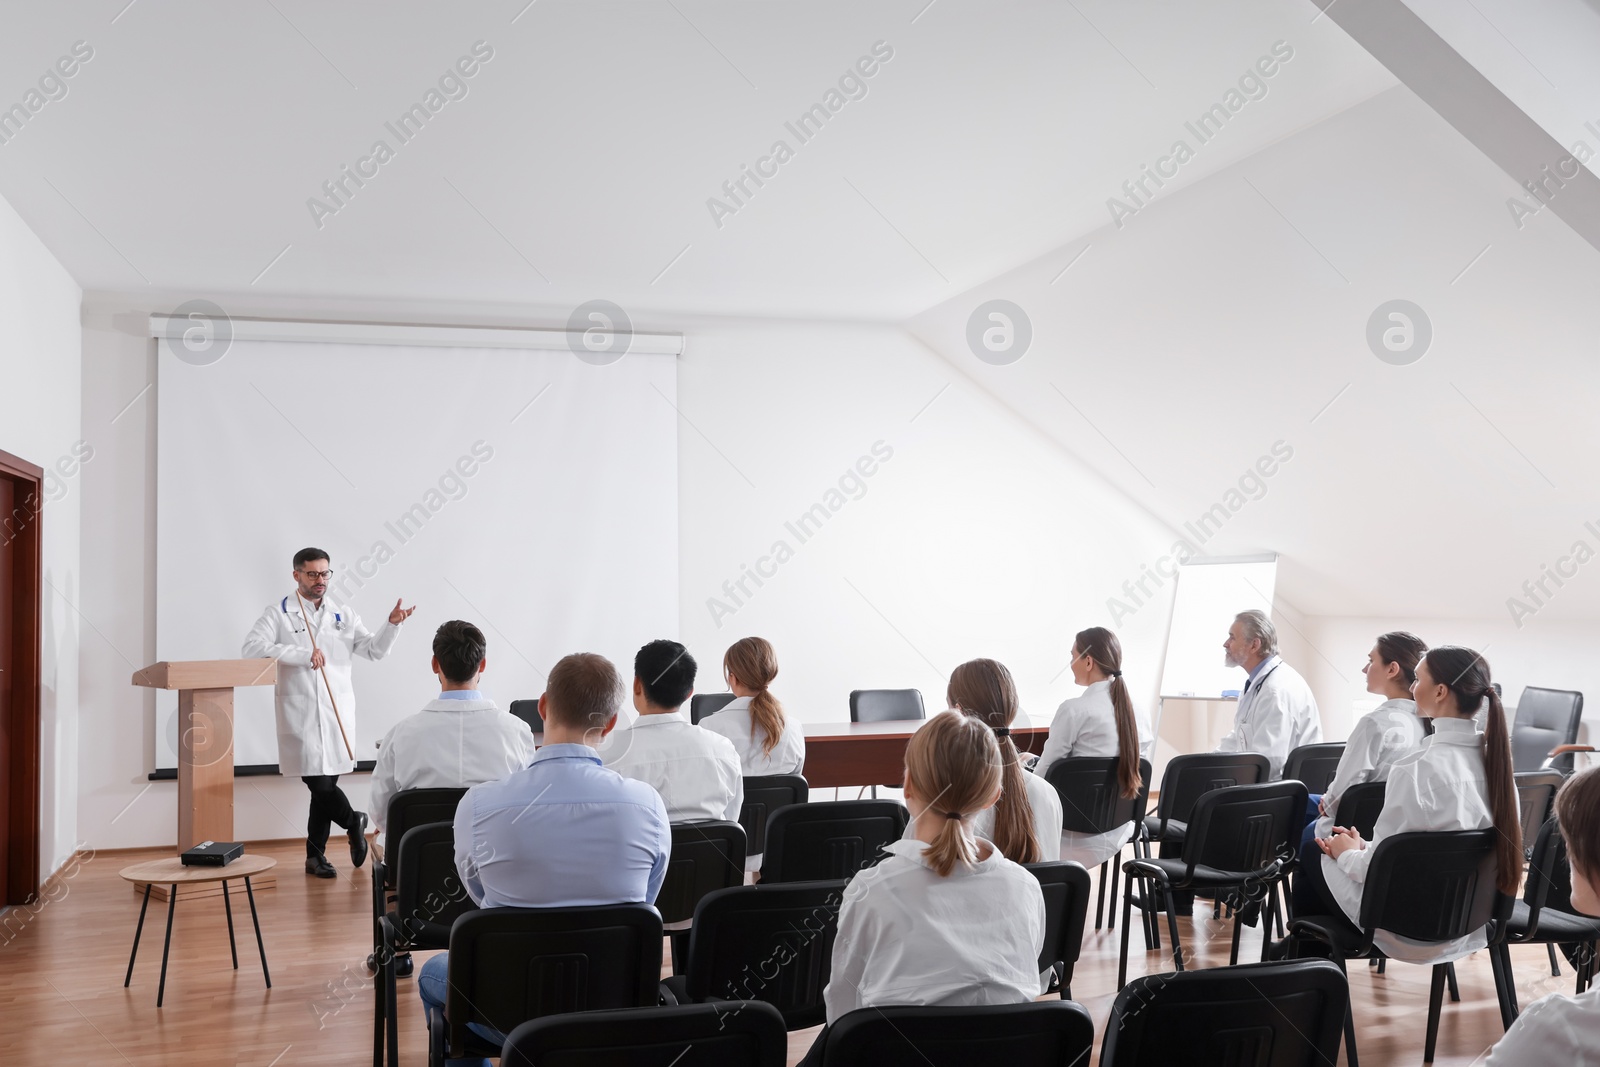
point(945, 918)
point(1456, 780)
point(1562, 1029)
point(1385, 733)
point(1025, 823)
point(1099, 722)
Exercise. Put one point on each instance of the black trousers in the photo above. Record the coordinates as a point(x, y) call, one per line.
point(328, 805)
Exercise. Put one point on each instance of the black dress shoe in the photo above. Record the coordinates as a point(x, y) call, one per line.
point(358, 839)
point(319, 866)
point(403, 964)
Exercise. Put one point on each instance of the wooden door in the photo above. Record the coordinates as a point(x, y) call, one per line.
point(21, 574)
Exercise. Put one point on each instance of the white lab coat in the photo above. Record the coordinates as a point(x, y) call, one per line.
point(696, 771)
point(908, 937)
point(308, 734)
point(1046, 805)
point(448, 744)
point(1556, 1029)
point(1276, 714)
point(733, 721)
point(1441, 785)
point(1380, 737)
point(1086, 725)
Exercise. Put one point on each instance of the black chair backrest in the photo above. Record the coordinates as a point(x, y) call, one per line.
point(1189, 777)
point(417, 807)
point(1023, 1035)
point(706, 856)
point(829, 839)
point(528, 712)
point(772, 943)
point(1360, 807)
point(1434, 886)
point(1066, 909)
point(763, 795)
point(1545, 718)
point(881, 705)
point(703, 704)
point(1549, 884)
point(1536, 795)
point(1315, 765)
point(1271, 1014)
point(1091, 799)
point(509, 965)
point(741, 1033)
point(429, 896)
point(1246, 827)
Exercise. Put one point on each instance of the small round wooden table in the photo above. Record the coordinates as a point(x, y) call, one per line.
point(172, 873)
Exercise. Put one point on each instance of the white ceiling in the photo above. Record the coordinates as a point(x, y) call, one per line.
point(580, 163)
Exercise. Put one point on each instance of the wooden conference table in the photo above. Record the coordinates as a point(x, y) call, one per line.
point(874, 753)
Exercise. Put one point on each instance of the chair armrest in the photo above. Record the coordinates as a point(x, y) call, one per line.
point(1561, 750)
point(675, 990)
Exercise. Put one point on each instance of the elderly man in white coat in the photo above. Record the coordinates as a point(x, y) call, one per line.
point(1276, 712)
point(310, 744)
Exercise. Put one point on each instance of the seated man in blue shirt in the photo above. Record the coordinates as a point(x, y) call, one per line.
point(566, 831)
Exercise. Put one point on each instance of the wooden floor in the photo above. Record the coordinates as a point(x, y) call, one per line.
point(62, 965)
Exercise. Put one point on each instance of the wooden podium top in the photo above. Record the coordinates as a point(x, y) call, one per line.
point(207, 674)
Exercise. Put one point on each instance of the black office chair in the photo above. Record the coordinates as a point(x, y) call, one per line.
point(509, 965)
point(1536, 795)
point(1545, 914)
point(703, 704)
point(772, 943)
point(1545, 718)
point(1427, 887)
point(829, 838)
point(1053, 1033)
point(429, 897)
point(1282, 1014)
point(763, 795)
point(1315, 765)
point(407, 808)
point(1092, 803)
point(1360, 807)
point(885, 705)
point(1066, 911)
point(1240, 844)
point(739, 1033)
point(528, 712)
point(706, 856)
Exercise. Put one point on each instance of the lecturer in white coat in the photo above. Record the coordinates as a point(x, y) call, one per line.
point(309, 741)
point(1276, 713)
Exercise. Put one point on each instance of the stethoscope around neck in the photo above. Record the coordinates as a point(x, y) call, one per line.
point(297, 621)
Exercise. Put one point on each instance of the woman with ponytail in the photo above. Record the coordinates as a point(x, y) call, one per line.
point(945, 918)
point(1100, 722)
point(1455, 780)
point(1385, 733)
point(767, 740)
point(1025, 825)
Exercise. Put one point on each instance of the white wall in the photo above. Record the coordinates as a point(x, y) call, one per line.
point(40, 365)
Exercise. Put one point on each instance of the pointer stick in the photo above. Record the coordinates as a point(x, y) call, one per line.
point(323, 670)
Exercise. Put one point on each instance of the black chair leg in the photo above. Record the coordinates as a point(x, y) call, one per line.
point(1127, 909)
point(1383, 964)
point(1505, 986)
point(1100, 899)
point(1349, 1020)
point(1435, 1003)
point(1233, 953)
point(1555, 968)
point(1172, 928)
point(1450, 977)
point(1116, 868)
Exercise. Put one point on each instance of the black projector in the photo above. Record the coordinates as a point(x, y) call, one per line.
point(212, 854)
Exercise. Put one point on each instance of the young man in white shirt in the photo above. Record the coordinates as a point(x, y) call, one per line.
point(697, 772)
point(459, 739)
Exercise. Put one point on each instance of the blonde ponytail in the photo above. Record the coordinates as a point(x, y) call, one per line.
point(953, 767)
point(753, 661)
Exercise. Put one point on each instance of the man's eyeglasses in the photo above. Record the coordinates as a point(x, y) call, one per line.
point(318, 576)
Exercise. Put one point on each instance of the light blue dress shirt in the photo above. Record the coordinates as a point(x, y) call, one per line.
point(565, 832)
point(460, 694)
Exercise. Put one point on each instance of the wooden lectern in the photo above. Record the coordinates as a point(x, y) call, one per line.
point(205, 738)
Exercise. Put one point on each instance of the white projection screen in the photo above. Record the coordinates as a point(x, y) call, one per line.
point(1210, 594)
point(564, 539)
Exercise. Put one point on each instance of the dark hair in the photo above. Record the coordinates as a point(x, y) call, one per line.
point(459, 647)
point(1578, 814)
point(306, 555)
point(1406, 649)
point(1466, 675)
point(582, 692)
point(1105, 652)
point(984, 690)
point(666, 670)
